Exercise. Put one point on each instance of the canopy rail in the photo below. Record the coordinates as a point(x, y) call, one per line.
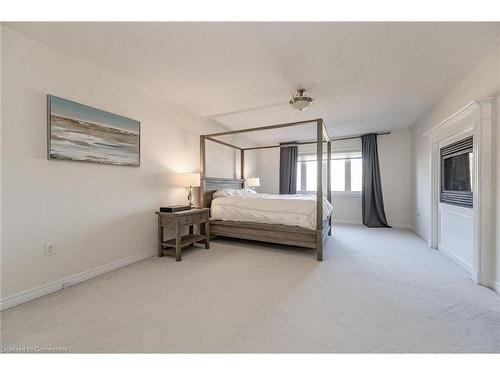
point(222, 143)
point(322, 136)
point(268, 127)
point(290, 144)
point(282, 145)
point(334, 139)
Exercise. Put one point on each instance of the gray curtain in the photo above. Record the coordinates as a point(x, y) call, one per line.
point(372, 200)
point(288, 169)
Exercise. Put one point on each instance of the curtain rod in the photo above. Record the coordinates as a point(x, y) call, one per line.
point(357, 136)
point(283, 145)
point(313, 142)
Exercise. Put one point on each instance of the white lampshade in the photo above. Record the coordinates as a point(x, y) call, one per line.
point(189, 179)
point(301, 104)
point(253, 181)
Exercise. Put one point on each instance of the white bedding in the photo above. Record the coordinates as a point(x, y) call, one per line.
point(296, 210)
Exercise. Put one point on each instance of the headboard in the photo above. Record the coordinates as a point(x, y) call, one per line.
point(211, 184)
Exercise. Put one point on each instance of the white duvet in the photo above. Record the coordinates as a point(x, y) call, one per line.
point(296, 210)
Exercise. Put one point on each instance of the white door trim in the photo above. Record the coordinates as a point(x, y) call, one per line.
point(475, 117)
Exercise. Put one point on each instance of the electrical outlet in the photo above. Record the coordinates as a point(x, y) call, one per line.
point(49, 250)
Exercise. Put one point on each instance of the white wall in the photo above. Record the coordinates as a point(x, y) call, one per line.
point(394, 157)
point(93, 214)
point(483, 81)
point(269, 169)
point(456, 234)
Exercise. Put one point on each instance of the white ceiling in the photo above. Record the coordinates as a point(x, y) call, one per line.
point(363, 76)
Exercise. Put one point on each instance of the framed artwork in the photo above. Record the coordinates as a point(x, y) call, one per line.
point(82, 133)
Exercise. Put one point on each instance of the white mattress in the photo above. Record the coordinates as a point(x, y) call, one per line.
point(296, 210)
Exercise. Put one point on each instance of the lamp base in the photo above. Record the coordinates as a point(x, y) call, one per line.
point(190, 197)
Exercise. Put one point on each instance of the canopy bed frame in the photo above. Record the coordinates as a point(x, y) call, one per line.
point(275, 233)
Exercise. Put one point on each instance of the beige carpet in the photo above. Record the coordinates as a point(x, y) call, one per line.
point(378, 290)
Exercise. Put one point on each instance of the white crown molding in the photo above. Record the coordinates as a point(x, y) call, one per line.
point(465, 110)
point(19, 298)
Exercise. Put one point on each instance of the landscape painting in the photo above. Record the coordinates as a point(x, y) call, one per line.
point(82, 133)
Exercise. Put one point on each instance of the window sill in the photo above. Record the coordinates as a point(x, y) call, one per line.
point(336, 193)
point(346, 193)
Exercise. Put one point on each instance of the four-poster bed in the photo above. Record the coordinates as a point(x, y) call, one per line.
point(275, 233)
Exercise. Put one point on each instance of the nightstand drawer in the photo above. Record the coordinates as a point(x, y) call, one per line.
point(167, 221)
point(187, 219)
point(201, 217)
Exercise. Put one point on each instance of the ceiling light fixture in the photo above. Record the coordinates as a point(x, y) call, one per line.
point(299, 101)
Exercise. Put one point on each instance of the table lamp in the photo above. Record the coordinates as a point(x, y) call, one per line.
point(190, 180)
point(253, 182)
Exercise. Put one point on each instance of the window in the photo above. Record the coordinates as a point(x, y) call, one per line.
point(356, 174)
point(346, 172)
point(338, 174)
point(311, 170)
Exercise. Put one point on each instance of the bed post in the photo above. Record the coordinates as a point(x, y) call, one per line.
point(319, 191)
point(203, 165)
point(242, 165)
point(329, 181)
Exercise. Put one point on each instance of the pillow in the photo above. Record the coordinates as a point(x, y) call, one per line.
point(228, 192)
point(247, 192)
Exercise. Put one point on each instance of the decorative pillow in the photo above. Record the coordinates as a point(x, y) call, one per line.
point(228, 192)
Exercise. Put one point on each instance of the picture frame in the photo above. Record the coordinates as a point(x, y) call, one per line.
point(78, 132)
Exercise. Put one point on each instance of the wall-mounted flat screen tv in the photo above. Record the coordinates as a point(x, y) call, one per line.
point(457, 171)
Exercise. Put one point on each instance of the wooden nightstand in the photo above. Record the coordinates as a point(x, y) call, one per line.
point(175, 222)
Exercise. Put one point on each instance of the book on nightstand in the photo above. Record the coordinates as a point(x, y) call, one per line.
point(175, 208)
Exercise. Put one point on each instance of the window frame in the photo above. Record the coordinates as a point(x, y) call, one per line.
point(347, 171)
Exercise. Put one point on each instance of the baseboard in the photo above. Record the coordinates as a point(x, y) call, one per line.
point(400, 225)
point(353, 222)
point(462, 263)
point(17, 299)
point(495, 285)
point(350, 222)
